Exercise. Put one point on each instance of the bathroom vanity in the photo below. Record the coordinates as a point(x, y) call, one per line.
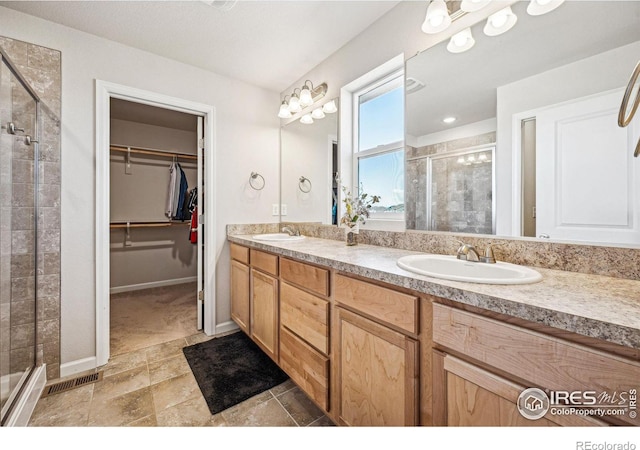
point(374, 345)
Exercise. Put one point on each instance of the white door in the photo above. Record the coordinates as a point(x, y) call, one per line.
point(200, 244)
point(587, 180)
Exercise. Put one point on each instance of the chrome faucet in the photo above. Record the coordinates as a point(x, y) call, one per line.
point(291, 231)
point(468, 252)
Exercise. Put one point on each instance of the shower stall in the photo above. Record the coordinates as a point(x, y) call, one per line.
point(19, 262)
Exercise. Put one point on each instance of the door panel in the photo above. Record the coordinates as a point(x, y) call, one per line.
point(587, 183)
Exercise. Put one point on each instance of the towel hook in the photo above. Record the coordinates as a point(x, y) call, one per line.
point(301, 184)
point(252, 179)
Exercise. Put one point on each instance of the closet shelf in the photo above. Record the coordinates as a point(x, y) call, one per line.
point(148, 151)
point(145, 224)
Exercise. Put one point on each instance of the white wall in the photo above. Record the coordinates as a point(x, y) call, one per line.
point(603, 72)
point(246, 140)
point(472, 129)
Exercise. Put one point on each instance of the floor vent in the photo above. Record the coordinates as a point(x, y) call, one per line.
point(71, 384)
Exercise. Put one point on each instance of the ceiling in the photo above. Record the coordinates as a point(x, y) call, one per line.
point(267, 43)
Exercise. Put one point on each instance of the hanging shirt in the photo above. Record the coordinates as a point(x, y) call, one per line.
point(170, 205)
point(182, 194)
point(176, 191)
point(193, 231)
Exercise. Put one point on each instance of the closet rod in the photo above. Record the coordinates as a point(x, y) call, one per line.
point(146, 151)
point(145, 224)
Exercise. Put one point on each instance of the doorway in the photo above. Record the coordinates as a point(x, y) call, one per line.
point(145, 246)
point(155, 175)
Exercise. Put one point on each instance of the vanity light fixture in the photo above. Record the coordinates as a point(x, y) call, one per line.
point(539, 7)
point(473, 5)
point(437, 18)
point(500, 22)
point(284, 112)
point(461, 42)
point(294, 103)
point(450, 119)
point(301, 98)
point(330, 107)
point(306, 119)
point(317, 113)
point(305, 96)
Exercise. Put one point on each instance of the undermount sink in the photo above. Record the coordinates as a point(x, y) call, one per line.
point(277, 237)
point(454, 269)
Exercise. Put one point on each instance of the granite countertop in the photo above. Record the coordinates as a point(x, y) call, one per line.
point(601, 307)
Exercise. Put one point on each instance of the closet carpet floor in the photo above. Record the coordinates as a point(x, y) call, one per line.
point(154, 387)
point(143, 318)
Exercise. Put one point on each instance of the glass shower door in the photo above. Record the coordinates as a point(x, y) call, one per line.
point(18, 234)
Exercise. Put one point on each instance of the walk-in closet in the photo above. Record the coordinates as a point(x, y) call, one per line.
point(154, 258)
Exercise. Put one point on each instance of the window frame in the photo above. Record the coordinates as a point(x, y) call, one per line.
point(393, 80)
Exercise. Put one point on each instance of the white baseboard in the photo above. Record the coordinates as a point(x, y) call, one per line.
point(151, 284)
point(27, 401)
point(77, 366)
point(226, 327)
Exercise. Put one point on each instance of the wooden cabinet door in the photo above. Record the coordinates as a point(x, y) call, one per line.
point(377, 373)
point(240, 304)
point(475, 397)
point(264, 312)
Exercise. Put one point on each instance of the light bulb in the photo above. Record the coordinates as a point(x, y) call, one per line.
point(500, 22)
point(482, 157)
point(305, 97)
point(306, 119)
point(449, 119)
point(330, 107)
point(461, 160)
point(437, 18)
point(294, 104)
point(284, 112)
point(317, 113)
point(473, 5)
point(539, 7)
point(461, 41)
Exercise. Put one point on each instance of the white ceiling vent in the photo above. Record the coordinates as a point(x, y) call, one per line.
point(413, 85)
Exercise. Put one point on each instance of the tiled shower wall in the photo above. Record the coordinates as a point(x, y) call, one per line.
point(41, 67)
point(465, 218)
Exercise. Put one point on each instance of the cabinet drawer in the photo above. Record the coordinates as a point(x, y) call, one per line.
point(392, 307)
point(306, 315)
point(306, 367)
point(264, 261)
point(310, 277)
point(541, 360)
point(239, 253)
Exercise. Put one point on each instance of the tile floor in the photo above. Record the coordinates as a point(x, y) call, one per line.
point(148, 384)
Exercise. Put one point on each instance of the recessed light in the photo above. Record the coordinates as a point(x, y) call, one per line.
point(449, 119)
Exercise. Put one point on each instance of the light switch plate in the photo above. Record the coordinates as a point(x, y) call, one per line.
point(283, 209)
point(275, 210)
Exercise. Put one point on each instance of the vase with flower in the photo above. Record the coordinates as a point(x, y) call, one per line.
point(357, 210)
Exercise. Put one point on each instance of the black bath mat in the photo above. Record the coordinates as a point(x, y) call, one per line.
point(231, 369)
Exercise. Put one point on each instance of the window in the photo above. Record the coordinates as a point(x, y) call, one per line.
point(378, 157)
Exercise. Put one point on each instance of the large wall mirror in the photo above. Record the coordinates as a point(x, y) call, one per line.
point(530, 145)
point(308, 155)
